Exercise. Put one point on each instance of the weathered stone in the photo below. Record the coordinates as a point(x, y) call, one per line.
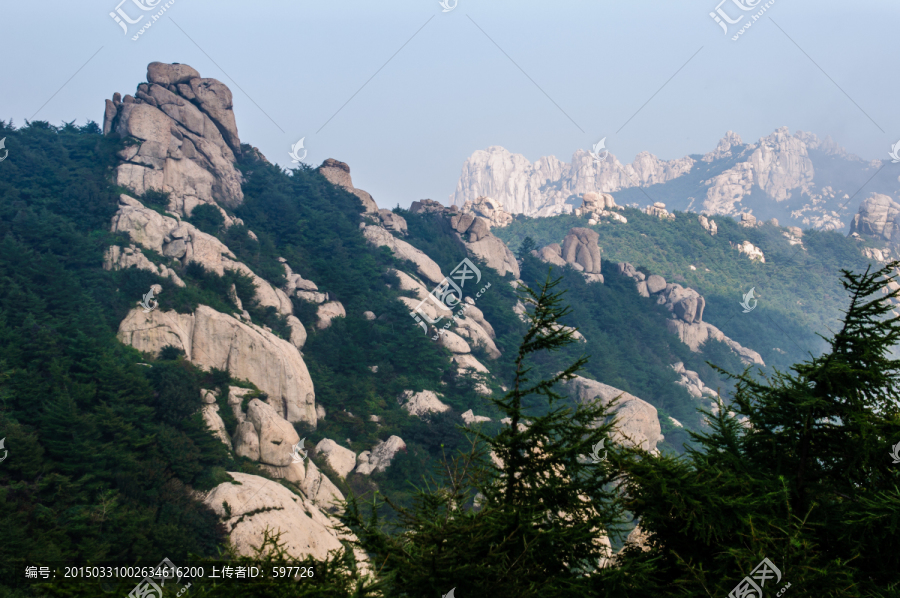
point(246, 441)
point(120, 258)
point(454, 342)
point(469, 418)
point(214, 421)
point(212, 339)
point(637, 423)
point(490, 210)
point(277, 436)
point(186, 149)
point(341, 460)
point(379, 458)
point(338, 173)
point(425, 266)
point(329, 311)
point(170, 74)
point(255, 504)
point(655, 284)
point(393, 222)
point(422, 402)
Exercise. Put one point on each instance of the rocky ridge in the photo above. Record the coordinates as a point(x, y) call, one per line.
point(687, 306)
point(184, 139)
point(778, 166)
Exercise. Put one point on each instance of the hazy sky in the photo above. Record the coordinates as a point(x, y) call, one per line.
point(408, 92)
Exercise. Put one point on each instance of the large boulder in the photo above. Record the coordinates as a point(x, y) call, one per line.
point(379, 458)
point(121, 258)
point(695, 334)
point(879, 216)
point(686, 303)
point(637, 421)
point(250, 505)
point(186, 138)
point(580, 247)
point(489, 209)
point(329, 311)
point(276, 435)
point(422, 402)
point(597, 202)
point(210, 413)
point(469, 417)
point(655, 284)
point(184, 242)
point(338, 173)
point(211, 339)
point(475, 232)
point(425, 266)
point(392, 222)
point(551, 254)
point(341, 460)
point(320, 490)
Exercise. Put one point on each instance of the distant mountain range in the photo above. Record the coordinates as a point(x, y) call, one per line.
point(798, 179)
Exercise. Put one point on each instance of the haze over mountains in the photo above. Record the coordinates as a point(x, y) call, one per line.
point(799, 179)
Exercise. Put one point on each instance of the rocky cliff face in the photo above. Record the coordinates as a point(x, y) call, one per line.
point(878, 216)
point(777, 175)
point(778, 164)
point(184, 138)
point(212, 339)
point(547, 186)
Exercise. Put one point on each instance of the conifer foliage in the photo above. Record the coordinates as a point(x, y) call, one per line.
point(523, 513)
point(806, 481)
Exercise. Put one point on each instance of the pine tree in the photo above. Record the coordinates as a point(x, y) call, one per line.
point(806, 481)
point(522, 513)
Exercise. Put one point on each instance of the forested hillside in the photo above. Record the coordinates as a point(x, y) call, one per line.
point(109, 455)
point(798, 287)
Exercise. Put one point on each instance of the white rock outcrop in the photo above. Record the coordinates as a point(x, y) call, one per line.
point(213, 339)
point(543, 188)
point(422, 402)
point(489, 209)
point(637, 421)
point(185, 138)
point(659, 210)
point(708, 224)
point(687, 305)
point(184, 242)
point(393, 222)
point(210, 413)
point(475, 232)
point(338, 173)
point(120, 258)
point(691, 382)
point(779, 164)
point(340, 459)
point(425, 266)
point(878, 216)
point(251, 504)
point(379, 458)
point(751, 251)
point(470, 418)
point(328, 312)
